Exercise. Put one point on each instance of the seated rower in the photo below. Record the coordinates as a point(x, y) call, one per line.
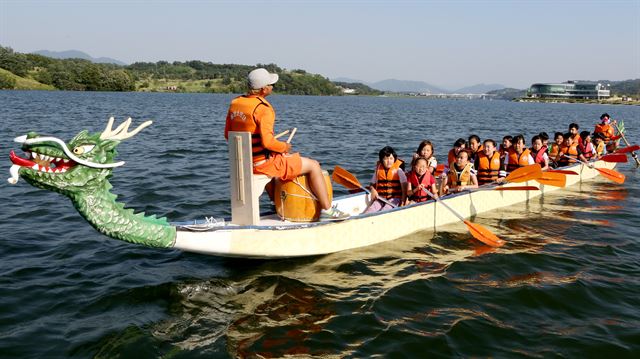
point(488, 163)
point(569, 149)
point(475, 147)
point(586, 150)
point(599, 145)
point(539, 153)
point(425, 150)
point(418, 179)
point(518, 155)
point(507, 142)
point(389, 181)
point(554, 149)
point(545, 140)
point(575, 133)
point(253, 113)
point(461, 175)
point(607, 131)
point(458, 146)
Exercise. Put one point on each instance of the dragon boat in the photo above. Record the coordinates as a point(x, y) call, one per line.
point(80, 170)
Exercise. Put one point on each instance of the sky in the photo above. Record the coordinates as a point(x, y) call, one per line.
point(449, 44)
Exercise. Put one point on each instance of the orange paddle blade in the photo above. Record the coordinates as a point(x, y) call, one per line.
point(524, 174)
point(613, 175)
point(517, 188)
point(628, 149)
point(345, 178)
point(553, 179)
point(566, 172)
point(615, 157)
point(484, 235)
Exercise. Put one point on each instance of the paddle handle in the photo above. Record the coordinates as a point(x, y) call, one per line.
point(444, 204)
point(381, 199)
point(281, 134)
point(293, 132)
point(624, 138)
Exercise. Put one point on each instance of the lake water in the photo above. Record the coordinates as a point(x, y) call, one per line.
point(567, 283)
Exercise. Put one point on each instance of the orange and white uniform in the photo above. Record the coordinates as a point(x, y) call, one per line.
point(254, 114)
point(513, 160)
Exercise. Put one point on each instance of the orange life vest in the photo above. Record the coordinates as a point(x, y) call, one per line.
point(576, 138)
point(388, 181)
point(457, 178)
point(606, 129)
point(488, 168)
point(571, 151)
point(421, 195)
point(516, 161)
point(241, 113)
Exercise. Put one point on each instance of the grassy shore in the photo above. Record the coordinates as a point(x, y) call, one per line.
point(26, 83)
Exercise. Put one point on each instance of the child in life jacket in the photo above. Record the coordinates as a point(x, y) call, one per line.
point(475, 148)
point(507, 142)
point(518, 155)
point(539, 153)
point(545, 140)
point(586, 150)
point(458, 146)
point(569, 149)
point(599, 145)
point(418, 179)
point(488, 163)
point(389, 181)
point(574, 133)
point(425, 150)
point(554, 149)
point(460, 176)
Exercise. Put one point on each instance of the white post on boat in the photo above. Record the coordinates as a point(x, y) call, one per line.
point(246, 187)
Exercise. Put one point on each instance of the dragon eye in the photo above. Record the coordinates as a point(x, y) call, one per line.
point(78, 150)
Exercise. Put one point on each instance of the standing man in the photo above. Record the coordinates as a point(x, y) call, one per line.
point(253, 113)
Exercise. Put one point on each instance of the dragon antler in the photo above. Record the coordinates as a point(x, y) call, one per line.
point(122, 131)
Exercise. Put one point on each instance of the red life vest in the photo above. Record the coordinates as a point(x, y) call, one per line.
point(241, 118)
point(388, 181)
point(421, 195)
point(538, 157)
point(586, 150)
point(488, 168)
point(516, 161)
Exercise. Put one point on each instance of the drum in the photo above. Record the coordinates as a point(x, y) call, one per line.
point(296, 202)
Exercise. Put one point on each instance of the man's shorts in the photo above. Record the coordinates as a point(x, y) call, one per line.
point(284, 166)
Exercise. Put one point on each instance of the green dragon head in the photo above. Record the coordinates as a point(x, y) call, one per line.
point(83, 164)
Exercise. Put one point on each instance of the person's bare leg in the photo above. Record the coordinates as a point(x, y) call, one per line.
point(318, 185)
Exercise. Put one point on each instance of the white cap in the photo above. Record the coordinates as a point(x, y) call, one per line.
point(260, 78)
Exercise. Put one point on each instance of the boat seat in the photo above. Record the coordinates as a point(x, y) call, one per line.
point(246, 187)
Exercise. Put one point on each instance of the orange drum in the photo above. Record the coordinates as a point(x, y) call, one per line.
point(295, 201)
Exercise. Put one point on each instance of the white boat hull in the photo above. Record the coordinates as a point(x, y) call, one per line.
point(274, 238)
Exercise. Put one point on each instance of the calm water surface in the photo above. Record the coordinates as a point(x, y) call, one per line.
point(567, 283)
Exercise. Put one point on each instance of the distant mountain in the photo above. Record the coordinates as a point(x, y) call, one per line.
point(479, 88)
point(75, 54)
point(406, 86)
point(348, 80)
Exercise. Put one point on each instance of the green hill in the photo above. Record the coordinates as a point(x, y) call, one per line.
point(8, 80)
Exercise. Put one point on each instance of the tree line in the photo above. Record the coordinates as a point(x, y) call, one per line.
point(84, 75)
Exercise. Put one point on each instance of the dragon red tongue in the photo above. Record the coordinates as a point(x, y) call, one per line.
point(17, 160)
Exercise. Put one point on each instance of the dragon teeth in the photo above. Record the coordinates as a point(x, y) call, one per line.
point(34, 155)
point(65, 160)
point(35, 167)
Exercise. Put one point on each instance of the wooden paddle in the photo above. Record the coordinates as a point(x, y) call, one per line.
point(624, 138)
point(610, 174)
point(524, 174)
point(566, 172)
point(553, 179)
point(345, 178)
point(477, 231)
point(615, 157)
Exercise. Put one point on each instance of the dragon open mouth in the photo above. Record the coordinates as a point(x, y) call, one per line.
point(38, 162)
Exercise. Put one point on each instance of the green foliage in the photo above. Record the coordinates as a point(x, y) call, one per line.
point(626, 88)
point(6, 81)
